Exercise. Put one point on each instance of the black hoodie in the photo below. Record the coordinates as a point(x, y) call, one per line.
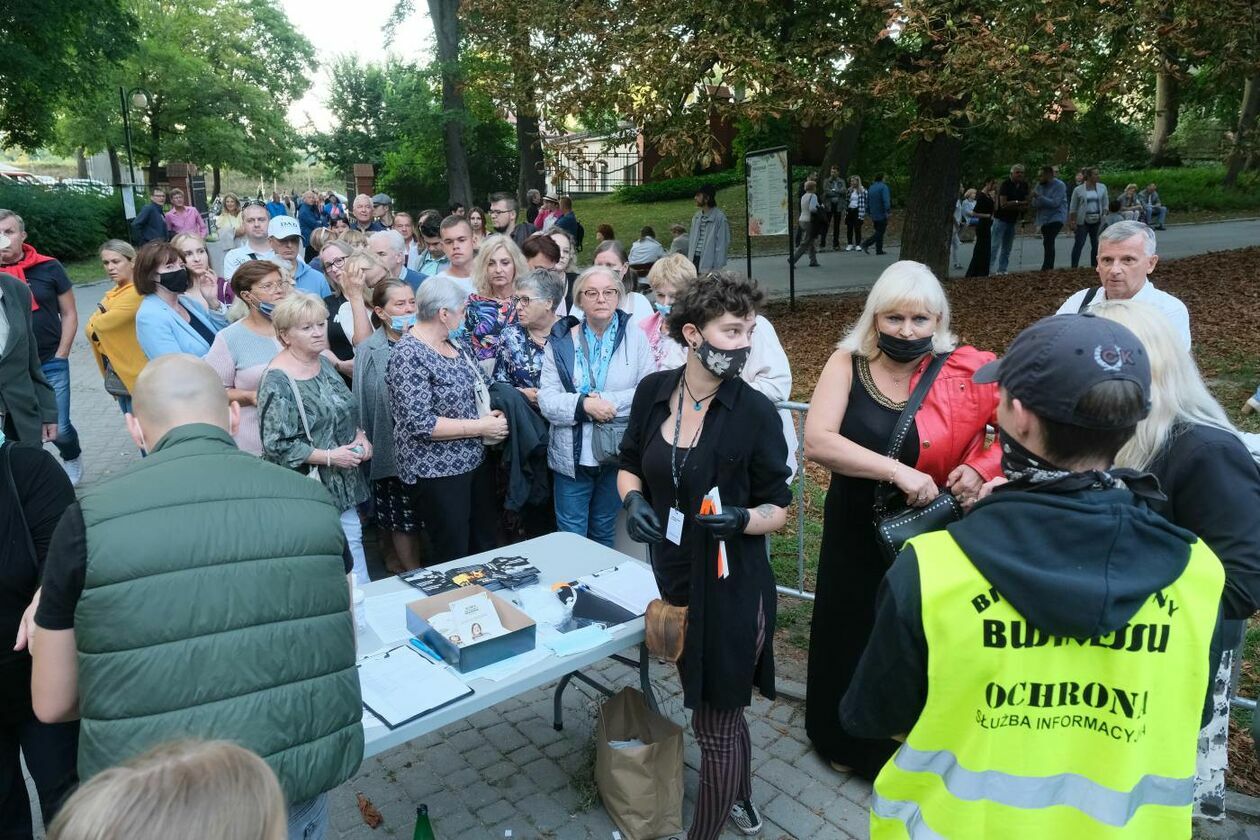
point(1079, 564)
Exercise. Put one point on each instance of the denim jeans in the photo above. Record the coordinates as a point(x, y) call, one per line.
point(1158, 214)
point(1082, 231)
point(1049, 231)
point(877, 236)
point(588, 503)
point(1001, 239)
point(309, 820)
point(57, 372)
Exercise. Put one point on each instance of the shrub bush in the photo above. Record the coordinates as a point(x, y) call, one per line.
point(65, 224)
point(675, 188)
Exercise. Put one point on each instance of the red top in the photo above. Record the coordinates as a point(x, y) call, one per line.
point(952, 419)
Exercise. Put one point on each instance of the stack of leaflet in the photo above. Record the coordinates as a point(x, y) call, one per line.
point(498, 573)
point(631, 586)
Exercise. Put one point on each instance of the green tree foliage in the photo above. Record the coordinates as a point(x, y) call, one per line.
point(52, 51)
point(220, 76)
point(363, 103)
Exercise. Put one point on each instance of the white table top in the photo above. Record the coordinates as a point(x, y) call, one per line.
point(558, 557)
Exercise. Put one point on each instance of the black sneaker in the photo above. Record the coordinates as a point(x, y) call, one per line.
point(746, 817)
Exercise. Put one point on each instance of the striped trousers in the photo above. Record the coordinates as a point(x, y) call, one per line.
point(725, 759)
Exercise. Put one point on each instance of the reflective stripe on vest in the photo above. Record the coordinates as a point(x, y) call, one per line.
point(1027, 734)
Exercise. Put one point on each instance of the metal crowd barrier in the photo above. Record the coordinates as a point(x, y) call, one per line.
point(798, 409)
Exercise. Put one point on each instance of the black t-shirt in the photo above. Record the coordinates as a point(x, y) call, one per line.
point(67, 566)
point(39, 494)
point(47, 281)
point(1008, 192)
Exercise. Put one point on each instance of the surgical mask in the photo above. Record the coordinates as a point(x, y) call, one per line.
point(174, 281)
point(402, 322)
point(266, 309)
point(458, 334)
point(724, 364)
point(662, 308)
point(903, 349)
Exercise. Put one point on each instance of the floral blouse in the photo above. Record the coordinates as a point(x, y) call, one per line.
point(518, 360)
point(333, 417)
point(485, 319)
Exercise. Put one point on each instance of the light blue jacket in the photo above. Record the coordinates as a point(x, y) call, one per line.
point(160, 330)
point(307, 279)
point(1050, 202)
point(878, 202)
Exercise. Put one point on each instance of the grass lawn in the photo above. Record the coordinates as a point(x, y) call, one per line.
point(85, 271)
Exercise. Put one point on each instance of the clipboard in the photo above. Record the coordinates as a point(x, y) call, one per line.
point(401, 685)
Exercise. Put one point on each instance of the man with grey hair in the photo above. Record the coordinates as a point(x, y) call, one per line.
point(503, 218)
point(363, 215)
point(390, 247)
point(1126, 257)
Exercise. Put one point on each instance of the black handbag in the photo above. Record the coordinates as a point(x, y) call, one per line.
point(895, 521)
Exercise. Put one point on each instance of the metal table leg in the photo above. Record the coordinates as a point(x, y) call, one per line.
point(645, 684)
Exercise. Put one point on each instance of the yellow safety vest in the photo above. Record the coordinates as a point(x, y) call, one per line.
point(1029, 735)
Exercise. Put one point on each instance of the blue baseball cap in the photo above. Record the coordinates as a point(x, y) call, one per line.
point(1051, 365)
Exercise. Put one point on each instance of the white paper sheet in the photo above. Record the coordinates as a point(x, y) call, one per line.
point(630, 585)
point(387, 614)
point(505, 668)
point(400, 685)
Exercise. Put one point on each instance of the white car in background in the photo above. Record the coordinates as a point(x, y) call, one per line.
point(13, 175)
point(86, 185)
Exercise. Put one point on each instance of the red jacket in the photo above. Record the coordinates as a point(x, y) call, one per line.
point(952, 419)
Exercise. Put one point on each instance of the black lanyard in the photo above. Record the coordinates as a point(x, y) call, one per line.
point(676, 468)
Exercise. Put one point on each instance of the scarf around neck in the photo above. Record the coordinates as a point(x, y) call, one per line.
point(30, 259)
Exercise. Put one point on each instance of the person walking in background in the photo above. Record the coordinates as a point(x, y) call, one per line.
point(1012, 201)
point(879, 208)
point(184, 218)
point(111, 329)
point(54, 321)
point(213, 790)
point(241, 353)
point(854, 214)
point(309, 420)
point(982, 212)
point(1050, 203)
point(806, 227)
point(710, 236)
point(127, 600)
point(150, 224)
point(590, 371)
point(855, 408)
point(834, 198)
point(1085, 215)
point(692, 428)
point(1212, 489)
point(34, 494)
point(440, 433)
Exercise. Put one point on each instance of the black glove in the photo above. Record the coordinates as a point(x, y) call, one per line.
point(642, 523)
point(728, 523)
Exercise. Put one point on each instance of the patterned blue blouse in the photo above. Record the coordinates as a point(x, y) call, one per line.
point(486, 318)
point(518, 361)
point(423, 386)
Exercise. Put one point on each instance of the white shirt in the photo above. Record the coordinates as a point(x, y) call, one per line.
point(1172, 309)
point(465, 283)
point(235, 258)
point(645, 251)
point(809, 203)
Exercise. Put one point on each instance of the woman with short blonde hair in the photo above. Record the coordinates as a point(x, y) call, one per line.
point(668, 277)
point(856, 405)
point(495, 269)
point(212, 790)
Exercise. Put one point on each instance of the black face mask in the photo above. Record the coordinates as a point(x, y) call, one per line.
point(904, 349)
point(175, 281)
point(1017, 460)
point(724, 364)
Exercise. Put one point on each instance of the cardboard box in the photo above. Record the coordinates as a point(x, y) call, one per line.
point(519, 638)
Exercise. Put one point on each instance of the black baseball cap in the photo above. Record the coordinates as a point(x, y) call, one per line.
point(1053, 363)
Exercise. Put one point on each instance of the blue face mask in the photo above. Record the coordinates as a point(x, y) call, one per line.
point(266, 309)
point(402, 322)
point(458, 334)
point(663, 308)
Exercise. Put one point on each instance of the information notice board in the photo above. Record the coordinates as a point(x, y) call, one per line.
point(768, 192)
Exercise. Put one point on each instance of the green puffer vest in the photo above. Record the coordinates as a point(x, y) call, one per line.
point(215, 605)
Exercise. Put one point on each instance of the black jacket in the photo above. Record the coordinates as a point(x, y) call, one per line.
point(1099, 556)
point(525, 450)
point(26, 398)
point(750, 469)
point(149, 225)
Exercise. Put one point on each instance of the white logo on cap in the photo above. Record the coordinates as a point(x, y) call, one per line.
point(1112, 358)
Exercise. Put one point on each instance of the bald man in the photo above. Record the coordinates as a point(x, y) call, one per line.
point(201, 593)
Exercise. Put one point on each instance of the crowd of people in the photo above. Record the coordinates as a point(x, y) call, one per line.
point(452, 381)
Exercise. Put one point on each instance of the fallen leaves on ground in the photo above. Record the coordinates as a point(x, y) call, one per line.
point(371, 817)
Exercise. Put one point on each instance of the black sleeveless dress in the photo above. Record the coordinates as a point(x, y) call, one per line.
point(850, 569)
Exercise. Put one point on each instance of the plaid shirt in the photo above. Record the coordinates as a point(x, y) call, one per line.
point(861, 204)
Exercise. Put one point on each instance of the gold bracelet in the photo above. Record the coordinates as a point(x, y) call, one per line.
point(892, 476)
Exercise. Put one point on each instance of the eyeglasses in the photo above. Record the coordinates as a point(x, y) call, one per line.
point(494, 212)
point(337, 263)
point(521, 300)
point(595, 294)
point(270, 286)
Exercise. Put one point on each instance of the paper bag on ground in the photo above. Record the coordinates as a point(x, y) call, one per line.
point(641, 786)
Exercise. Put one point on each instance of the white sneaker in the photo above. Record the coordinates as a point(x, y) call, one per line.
point(745, 816)
point(74, 470)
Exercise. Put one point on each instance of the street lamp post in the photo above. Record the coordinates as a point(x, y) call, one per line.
point(140, 97)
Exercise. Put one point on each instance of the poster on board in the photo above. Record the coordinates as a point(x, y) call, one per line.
point(767, 175)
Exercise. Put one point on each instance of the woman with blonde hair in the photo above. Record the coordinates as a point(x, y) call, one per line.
point(856, 405)
point(203, 282)
point(668, 277)
point(111, 330)
point(1212, 486)
point(360, 274)
point(229, 222)
point(490, 308)
point(212, 790)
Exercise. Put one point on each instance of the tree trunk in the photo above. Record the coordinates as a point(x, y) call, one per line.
point(1167, 111)
point(115, 167)
point(80, 163)
point(528, 136)
point(444, 14)
point(842, 146)
point(1244, 137)
point(934, 174)
point(216, 173)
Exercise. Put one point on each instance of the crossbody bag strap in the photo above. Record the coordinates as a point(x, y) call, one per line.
point(1088, 299)
point(898, 440)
